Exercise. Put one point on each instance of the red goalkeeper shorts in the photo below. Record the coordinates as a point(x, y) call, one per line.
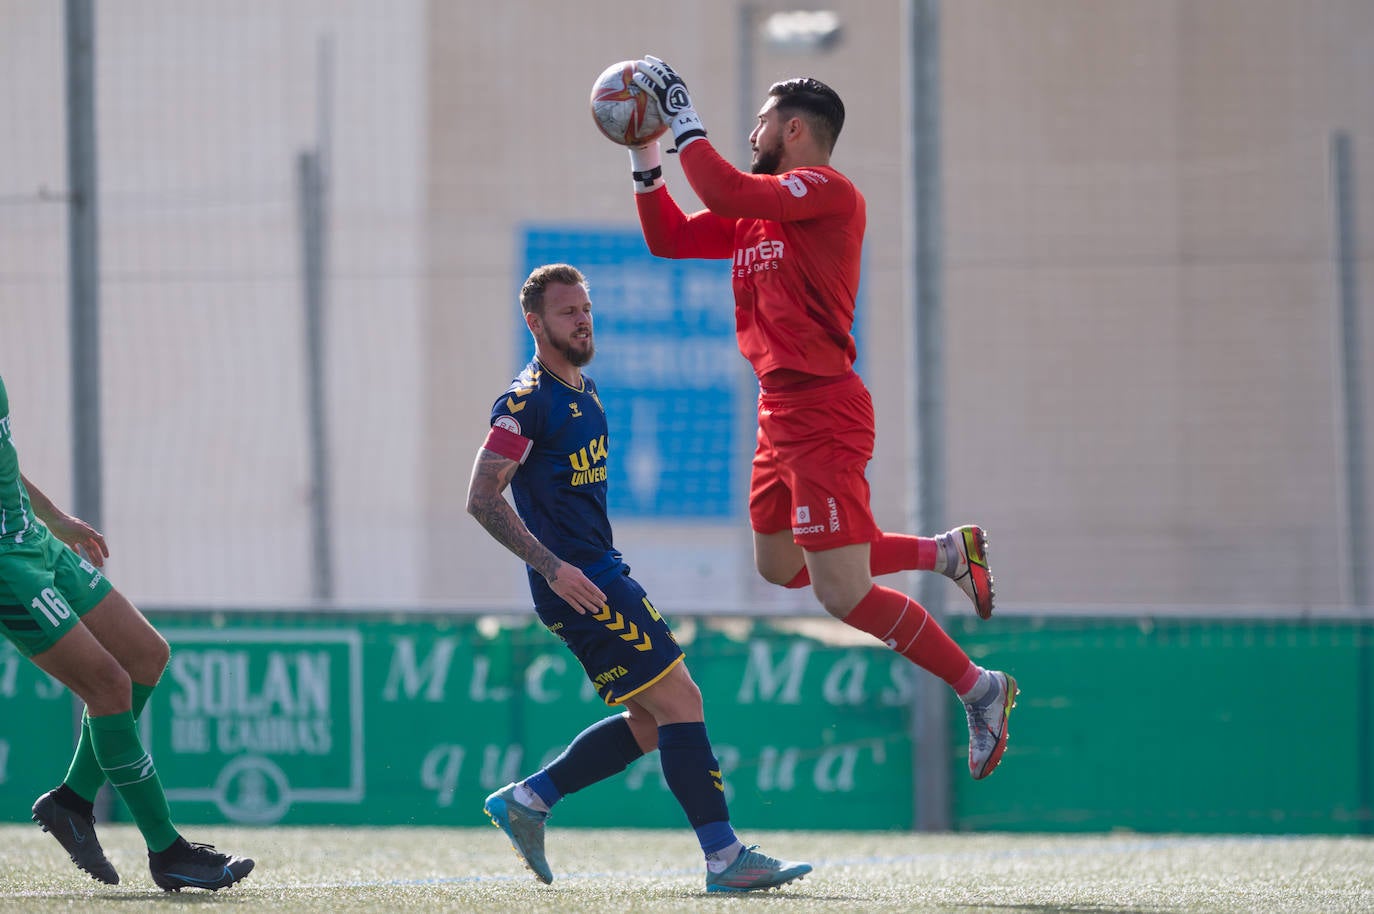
point(814, 445)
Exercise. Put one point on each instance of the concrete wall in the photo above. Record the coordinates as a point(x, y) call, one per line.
point(1142, 398)
point(1142, 391)
point(202, 111)
point(1140, 255)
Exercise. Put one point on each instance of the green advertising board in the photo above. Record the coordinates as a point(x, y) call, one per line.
point(1190, 725)
point(255, 721)
point(38, 726)
point(1180, 725)
point(415, 719)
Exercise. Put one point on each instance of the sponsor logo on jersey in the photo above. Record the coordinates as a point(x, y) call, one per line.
point(86, 566)
point(834, 515)
point(796, 181)
point(589, 463)
point(589, 477)
point(509, 423)
point(765, 255)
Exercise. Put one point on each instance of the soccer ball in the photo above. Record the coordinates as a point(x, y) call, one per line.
point(625, 113)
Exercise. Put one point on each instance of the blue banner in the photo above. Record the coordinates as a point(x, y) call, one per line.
point(667, 368)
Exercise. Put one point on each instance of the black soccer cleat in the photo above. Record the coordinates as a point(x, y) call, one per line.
point(196, 866)
point(75, 830)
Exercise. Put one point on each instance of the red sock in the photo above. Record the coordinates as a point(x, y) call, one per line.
point(895, 552)
point(905, 626)
point(890, 553)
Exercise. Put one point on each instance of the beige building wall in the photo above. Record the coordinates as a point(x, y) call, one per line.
point(1140, 251)
point(1142, 390)
point(539, 159)
point(1141, 396)
point(202, 111)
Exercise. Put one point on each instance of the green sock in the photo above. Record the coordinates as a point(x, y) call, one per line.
point(130, 770)
point(85, 774)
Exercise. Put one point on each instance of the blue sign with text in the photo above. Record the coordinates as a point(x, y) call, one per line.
point(667, 368)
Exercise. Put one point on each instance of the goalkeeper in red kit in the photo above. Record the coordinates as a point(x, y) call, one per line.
point(793, 230)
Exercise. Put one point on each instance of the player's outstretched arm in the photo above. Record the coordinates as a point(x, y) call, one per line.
point(660, 80)
point(727, 192)
point(668, 231)
point(491, 474)
point(73, 531)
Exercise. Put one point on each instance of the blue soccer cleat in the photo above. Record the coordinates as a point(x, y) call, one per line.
point(525, 828)
point(753, 871)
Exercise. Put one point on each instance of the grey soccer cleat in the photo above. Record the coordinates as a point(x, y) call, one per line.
point(525, 828)
point(987, 727)
point(753, 871)
point(967, 547)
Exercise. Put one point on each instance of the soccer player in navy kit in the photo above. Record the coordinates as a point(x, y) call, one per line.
point(548, 443)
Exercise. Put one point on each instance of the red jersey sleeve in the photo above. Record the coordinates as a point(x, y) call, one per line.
point(802, 193)
point(671, 233)
point(798, 243)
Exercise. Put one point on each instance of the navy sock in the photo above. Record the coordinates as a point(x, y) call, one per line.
point(542, 784)
point(603, 749)
point(693, 775)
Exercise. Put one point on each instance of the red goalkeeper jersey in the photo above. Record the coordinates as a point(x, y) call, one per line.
point(795, 240)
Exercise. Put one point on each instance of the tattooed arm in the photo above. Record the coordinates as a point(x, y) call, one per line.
point(491, 474)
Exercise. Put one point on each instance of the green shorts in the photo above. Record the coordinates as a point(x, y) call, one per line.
point(45, 589)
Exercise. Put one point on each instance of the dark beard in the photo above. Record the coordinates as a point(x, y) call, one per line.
point(576, 357)
point(767, 161)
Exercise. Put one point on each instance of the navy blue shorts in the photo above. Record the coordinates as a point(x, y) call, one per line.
point(625, 648)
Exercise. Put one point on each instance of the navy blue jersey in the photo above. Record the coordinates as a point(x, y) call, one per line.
point(560, 488)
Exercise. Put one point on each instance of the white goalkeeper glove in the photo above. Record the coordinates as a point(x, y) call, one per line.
point(646, 164)
point(653, 75)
